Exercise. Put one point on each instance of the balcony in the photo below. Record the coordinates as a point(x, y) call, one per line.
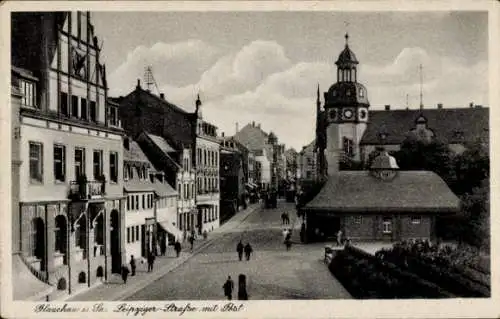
point(85, 190)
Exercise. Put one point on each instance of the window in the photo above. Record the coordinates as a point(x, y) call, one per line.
point(348, 147)
point(132, 202)
point(181, 221)
point(74, 106)
point(415, 220)
point(387, 225)
point(357, 219)
point(137, 202)
point(64, 109)
point(36, 162)
point(137, 233)
point(128, 235)
point(79, 162)
point(179, 190)
point(361, 92)
point(84, 110)
point(125, 172)
point(113, 167)
point(112, 116)
point(93, 111)
point(28, 91)
point(97, 164)
point(128, 202)
point(132, 239)
point(143, 201)
point(59, 162)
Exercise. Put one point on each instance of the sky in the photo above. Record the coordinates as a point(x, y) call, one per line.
point(266, 66)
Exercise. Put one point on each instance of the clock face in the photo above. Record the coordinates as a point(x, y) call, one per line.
point(348, 114)
point(363, 114)
point(333, 114)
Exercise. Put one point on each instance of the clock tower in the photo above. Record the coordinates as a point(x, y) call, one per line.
point(346, 110)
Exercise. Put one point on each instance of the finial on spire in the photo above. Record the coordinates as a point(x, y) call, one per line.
point(346, 38)
point(317, 94)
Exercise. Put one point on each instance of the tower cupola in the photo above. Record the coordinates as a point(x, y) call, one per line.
point(346, 64)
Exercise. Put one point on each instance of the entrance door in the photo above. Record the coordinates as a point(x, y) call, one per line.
point(200, 220)
point(39, 241)
point(144, 241)
point(116, 256)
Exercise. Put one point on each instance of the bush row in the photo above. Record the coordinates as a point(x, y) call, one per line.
point(365, 277)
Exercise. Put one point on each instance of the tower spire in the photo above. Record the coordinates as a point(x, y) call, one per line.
point(317, 96)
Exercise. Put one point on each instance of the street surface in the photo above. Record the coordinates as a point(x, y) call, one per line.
point(272, 273)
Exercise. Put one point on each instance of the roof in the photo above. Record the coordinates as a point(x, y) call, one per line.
point(409, 191)
point(134, 154)
point(161, 143)
point(347, 56)
point(137, 185)
point(346, 93)
point(253, 137)
point(453, 125)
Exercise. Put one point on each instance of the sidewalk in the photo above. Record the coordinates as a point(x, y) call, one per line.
point(115, 289)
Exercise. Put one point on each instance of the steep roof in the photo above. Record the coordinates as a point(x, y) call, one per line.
point(253, 137)
point(457, 125)
point(145, 185)
point(161, 143)
point(135, 154)
point(409, 191)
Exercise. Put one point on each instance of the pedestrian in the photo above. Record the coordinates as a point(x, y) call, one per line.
point(283, 218)
point(191, 241)
point(132, 265)
point(287, 219)
point(163, 246)
point(242, 287)
point(339, 237)
point(288, 243)
point(205, 234)
point(248, 250)
point(285, 233)
point(303, 232)
point(125, 272)
point(151, 261)
point(239, 249)
point(177, 247)
point(228, 288)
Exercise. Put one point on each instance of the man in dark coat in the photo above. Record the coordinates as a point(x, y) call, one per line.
point(228, 288)
point(248, 250)
point(239, 249)
point(177, 247)
point(151, 261)
point(124, 272)
point(132, 265)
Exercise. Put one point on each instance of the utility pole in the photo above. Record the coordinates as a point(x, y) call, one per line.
point(421, 93)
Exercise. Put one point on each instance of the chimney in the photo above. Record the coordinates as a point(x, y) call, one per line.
point(333, 149)
point(138, 83)
point(440, 106)
point(253, 123)
point(387, 107)
point(162, 95)
point(222, 134)
point(471, 104)
point(237, 127)
point(126, 143)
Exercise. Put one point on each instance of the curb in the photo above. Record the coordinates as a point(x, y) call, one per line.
point(168, 268)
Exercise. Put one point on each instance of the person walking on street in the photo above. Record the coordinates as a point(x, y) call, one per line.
point(177, 247)
point(288, 243)
point(303, 232)
point(151, 261)
point(163, 246)
point(239, 249)
point(125, 272)
point(228, 288)
point(339, 237)
point(283, 218)
point(248, 250)
point(132, 265)
point(191, 241)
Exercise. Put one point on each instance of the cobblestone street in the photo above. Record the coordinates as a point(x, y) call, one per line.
point(272, 272)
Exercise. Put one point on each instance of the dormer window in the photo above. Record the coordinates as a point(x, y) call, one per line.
point(361, 92)
point(113, 116)
point(28, 90)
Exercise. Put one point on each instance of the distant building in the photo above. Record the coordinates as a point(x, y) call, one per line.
point(142, 111)
point(307, 161)
point(233, 179)
point(292, 164)
point(263, 144)
point(71, 205)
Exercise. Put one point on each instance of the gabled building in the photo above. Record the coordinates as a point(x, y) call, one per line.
point(176, 166)
point(308, 166)
point(71, 204)
point(184, 132)
point(151, 210)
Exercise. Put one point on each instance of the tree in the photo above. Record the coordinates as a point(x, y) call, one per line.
point(471, 168)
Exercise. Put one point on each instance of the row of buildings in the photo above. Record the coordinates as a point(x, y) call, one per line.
point(96, 179)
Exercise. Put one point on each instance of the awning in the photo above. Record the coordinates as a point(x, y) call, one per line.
point(27, 287)
point(171, 229)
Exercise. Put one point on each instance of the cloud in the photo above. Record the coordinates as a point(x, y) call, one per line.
point(260, 83)
point(177, 63)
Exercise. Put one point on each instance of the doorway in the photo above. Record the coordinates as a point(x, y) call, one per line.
point(116, 258)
